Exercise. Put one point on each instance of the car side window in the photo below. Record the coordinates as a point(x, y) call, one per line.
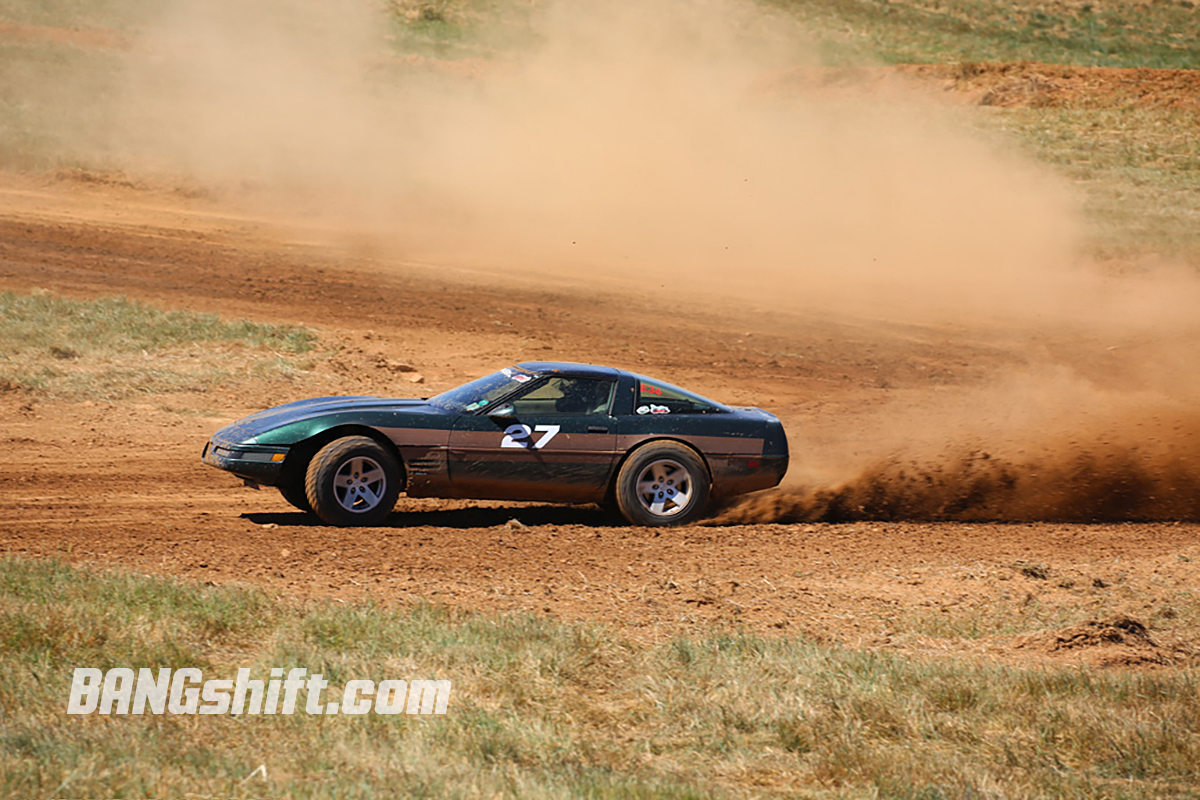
point(566, 396)
point(657, 398)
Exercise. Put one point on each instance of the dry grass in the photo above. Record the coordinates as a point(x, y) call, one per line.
point(1138, 169)
point(1096, 33)
point(541, 708)
point(109, 348)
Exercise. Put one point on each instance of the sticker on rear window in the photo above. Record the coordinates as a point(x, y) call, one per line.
point(653, 409)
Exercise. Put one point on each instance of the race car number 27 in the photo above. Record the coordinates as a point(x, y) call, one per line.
point(522, 436)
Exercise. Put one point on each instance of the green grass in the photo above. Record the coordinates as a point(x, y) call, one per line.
point(1139, 170)
point(462, 28)
point(56, 105)
point(120, 325)
point(118, 14)
point(1101, 33)
point(546, 709)
point(112, 347)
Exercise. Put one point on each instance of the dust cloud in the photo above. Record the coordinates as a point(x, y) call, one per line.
point(656, 143)
point(1038, 445)
point(1098, 424)
point(669, 149)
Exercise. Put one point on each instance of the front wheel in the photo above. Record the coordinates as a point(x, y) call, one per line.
point(295, 493)
point(353, 481)
point(662, 483)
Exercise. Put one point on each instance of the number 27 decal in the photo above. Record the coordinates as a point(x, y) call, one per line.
point(521, 436)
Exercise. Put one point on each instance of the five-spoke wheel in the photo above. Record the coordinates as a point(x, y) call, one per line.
point(353, 481)
point(664, 488)
point(662, 483)
point(359, 484)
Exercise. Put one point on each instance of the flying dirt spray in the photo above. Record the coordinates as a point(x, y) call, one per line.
point(1122, 456)
point(672, 138)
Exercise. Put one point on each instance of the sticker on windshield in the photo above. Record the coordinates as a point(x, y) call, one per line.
point(653, 409)
point(522, 436)
point(648, 389)
point(519, 377)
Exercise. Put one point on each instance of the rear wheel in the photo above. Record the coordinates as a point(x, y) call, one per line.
point(353, 481)
point(662, 483)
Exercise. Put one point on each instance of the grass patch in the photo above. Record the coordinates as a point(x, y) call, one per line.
point(1100, 33)
point(72, 328)
point(1139, 170)
point(462, 28)
point(56, 105)
point(542, 708)
point(113, 347)
point(118, 14)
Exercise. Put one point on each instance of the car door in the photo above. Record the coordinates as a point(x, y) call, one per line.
point(556, 440)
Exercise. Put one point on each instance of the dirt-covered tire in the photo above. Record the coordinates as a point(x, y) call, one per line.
point(353, 481)
point(662, 483)
point(296, 494)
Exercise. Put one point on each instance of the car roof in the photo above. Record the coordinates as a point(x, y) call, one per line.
point(568, 368)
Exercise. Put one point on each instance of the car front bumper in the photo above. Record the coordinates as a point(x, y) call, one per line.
point(254, 463)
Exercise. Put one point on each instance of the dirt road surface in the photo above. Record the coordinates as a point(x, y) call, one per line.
point(121, 483)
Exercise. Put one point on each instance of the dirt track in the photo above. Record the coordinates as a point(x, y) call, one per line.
point(122, 483)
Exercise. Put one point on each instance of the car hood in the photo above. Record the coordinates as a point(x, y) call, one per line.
point(248, 427)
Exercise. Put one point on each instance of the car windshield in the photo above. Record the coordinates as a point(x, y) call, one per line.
point(482, 391)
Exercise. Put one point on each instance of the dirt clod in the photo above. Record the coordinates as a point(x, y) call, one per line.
point(1114, 641)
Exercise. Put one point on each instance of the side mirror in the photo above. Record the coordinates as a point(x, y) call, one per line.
point(503, 412)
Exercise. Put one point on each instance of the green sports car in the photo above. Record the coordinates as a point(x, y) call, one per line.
point(571, 433)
